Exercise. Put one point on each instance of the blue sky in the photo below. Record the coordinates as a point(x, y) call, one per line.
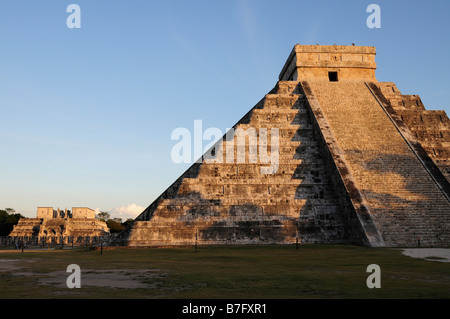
point(87, 114)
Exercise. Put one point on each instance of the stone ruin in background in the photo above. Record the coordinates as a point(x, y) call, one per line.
point(51, 226)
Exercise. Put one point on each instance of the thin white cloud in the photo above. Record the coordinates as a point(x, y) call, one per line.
point(246, 17)
point(124, 212)
point(311, 34)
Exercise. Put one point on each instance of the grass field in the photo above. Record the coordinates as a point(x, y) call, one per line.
point(269, 272)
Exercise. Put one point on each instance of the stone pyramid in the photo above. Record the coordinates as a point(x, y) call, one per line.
point(357, 162)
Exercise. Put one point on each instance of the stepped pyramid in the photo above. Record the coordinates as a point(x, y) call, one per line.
point(353, 161)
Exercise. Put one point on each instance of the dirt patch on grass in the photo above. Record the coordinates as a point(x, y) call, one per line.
point(8, 264)
point(13, 264)
point(111, 278)
point(431, 254)
point(124, 278)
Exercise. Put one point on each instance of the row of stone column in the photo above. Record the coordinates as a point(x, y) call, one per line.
point(51, 240)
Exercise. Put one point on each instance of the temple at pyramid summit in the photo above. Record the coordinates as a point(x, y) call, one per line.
point(352, 161)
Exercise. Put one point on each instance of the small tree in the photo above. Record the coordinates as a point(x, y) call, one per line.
point(103, 216)
point(10, 210)
point(8, 218)
point(128, 222)
point(114, 225)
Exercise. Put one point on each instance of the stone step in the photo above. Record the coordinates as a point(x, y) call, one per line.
point(262, 205)
point(287, 87)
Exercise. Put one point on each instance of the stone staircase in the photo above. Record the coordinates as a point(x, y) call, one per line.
point(403, 200)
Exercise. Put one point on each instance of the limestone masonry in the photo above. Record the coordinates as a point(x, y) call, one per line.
point(359, 163)
point(51, 226)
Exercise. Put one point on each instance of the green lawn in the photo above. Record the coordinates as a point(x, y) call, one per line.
point(268, 272)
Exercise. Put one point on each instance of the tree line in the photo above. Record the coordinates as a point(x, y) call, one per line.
point(115, 225)
point(8, 218)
